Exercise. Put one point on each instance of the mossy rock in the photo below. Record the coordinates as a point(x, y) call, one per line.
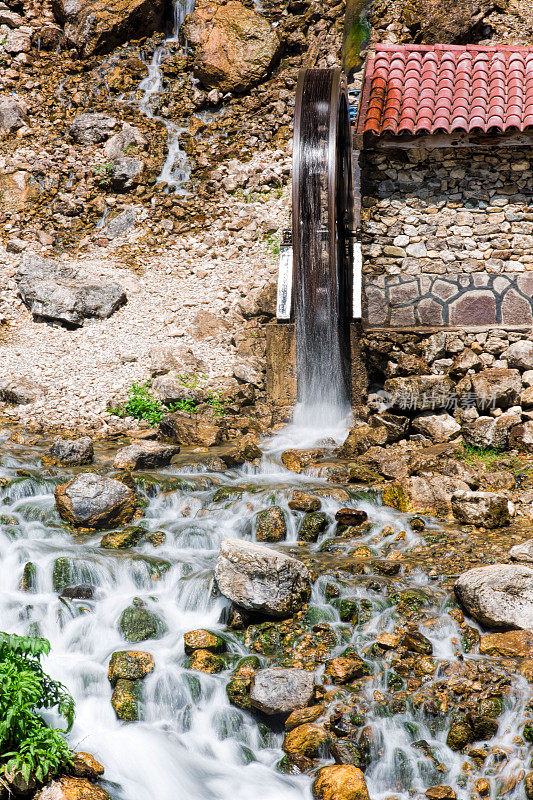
point(312, 525)
point(128, 537)
point(348, 608)
point(411, 598)
point(126, 700)
point(204, 661)
point(271, 525)
point(491, 706)
point(157, 567)
point(203, 640)
point(228, 493)
point(137, 623)
point(395, 496)
point(5, 519)
point(129, 665)
point(459, 735)
point(238, 692)
point(527, 732)
point(62, 573)
point(483, 727)
point(28, 582)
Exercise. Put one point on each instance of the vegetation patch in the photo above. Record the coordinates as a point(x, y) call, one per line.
point(142, 405)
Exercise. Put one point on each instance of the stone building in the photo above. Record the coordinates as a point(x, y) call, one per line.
point(446, 139)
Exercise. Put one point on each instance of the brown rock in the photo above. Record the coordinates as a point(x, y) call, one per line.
point(85, 765)
point(497, 387)
point(351, 516)
point(529, 785)
point(97, 26)
point(451, 22)
point(297, 460)
point(510, 644)
point(440, 792)
point(521, 437)
point(344, 669)
point(235, 46)
point(305, 740)
point(92, 501)
point(302, 716)
point(70, 788)
point(130, 665)
point(361, 438)
point(302, 501)
point(204, 661)
point(192, 429)
point(340, 782)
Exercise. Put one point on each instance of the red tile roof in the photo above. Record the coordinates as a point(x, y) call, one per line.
point(414, 89)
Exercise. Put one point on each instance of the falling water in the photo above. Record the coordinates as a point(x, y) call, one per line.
point(191, 742)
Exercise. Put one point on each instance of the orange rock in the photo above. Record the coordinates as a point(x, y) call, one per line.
point(510, 644)
point(303, 715)
point(72, 789)
point(440, 792)
point(305, 740)
point(344, 669)
point(85, 765)
point(340, 782)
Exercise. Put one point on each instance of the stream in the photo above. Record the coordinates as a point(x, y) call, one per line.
point(190, 741)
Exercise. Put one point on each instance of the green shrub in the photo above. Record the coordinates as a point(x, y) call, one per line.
point(141, 404)
point(27, 744)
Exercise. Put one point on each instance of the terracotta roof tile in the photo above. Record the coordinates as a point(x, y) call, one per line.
point(445, 88)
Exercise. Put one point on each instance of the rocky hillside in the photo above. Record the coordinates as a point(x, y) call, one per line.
point(150, 168)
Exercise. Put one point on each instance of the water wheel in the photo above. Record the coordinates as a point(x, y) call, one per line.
point(323, 218)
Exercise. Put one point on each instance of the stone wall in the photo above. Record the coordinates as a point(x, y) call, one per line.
point(440, 229)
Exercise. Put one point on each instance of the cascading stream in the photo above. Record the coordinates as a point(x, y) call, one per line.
point(191, 742)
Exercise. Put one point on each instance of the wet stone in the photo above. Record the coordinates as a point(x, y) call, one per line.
point(128, 537)
point(126, 699)
point(71, 452)
point(203, 640)
point(312, 525)
point(302, 501)
point(80, 592)
point(271, 525)
point(281, 691)
point(129, 665)
point(205, 661)
point(85, 765)
point(306, 740)
point(137, 623)
point(344, 669)
point(351, 516)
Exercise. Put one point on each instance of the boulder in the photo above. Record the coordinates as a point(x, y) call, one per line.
point(261, 579)
point(180, 358)
point(298, 460)
point(490, 432)
point(206, 661)
point(92, 501)
point(16, 42)
point(520, 355)
point(522, 552)
point(97, 26)
point(126, 173)
point(128, 537)
point(72, 452)
point(344, 669)
point(481, 508)
point(498, 388)
point(145, 455)
point(241, 450)
point(280, 691)
point(170, 388)
point(234, 45)
point(271, 525)
point(72, 788)
point(91, 128)
point(499, 596)
point(521, 437)
point(395, 425)
point(446, 21)
point(312, 525)
point(437, 427)
point(420, 392)
point(130, 665)
point(13, 114)
point(361, 437)
point(54, 291)
point(510, 644)
point(340, 782)
point(351, 516)
point(192, 429)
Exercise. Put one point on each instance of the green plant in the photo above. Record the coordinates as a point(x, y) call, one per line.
point(104, 172)
point(273, 244)
point(141, 405)
point(188, 406)
point(214, 400)
point(483, 455)
point(27, 744)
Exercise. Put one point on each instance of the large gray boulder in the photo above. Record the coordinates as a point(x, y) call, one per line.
point(481, 508)
point(71, 452)
point(499, 596)
point(281, 691)
point(491, 432)
point(126, 173)
point(54, 291)
point(127, 138)
point(438, 427)
point(520, 355)
point(93, 501)
point(261, 579)
point(521, 437)
point(145, 455)
point(120, 224)
point(91, 128)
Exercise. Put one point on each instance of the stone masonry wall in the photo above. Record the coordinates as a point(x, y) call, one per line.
point(448, 236)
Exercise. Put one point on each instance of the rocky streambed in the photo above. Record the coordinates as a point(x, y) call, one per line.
point(240, 631)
